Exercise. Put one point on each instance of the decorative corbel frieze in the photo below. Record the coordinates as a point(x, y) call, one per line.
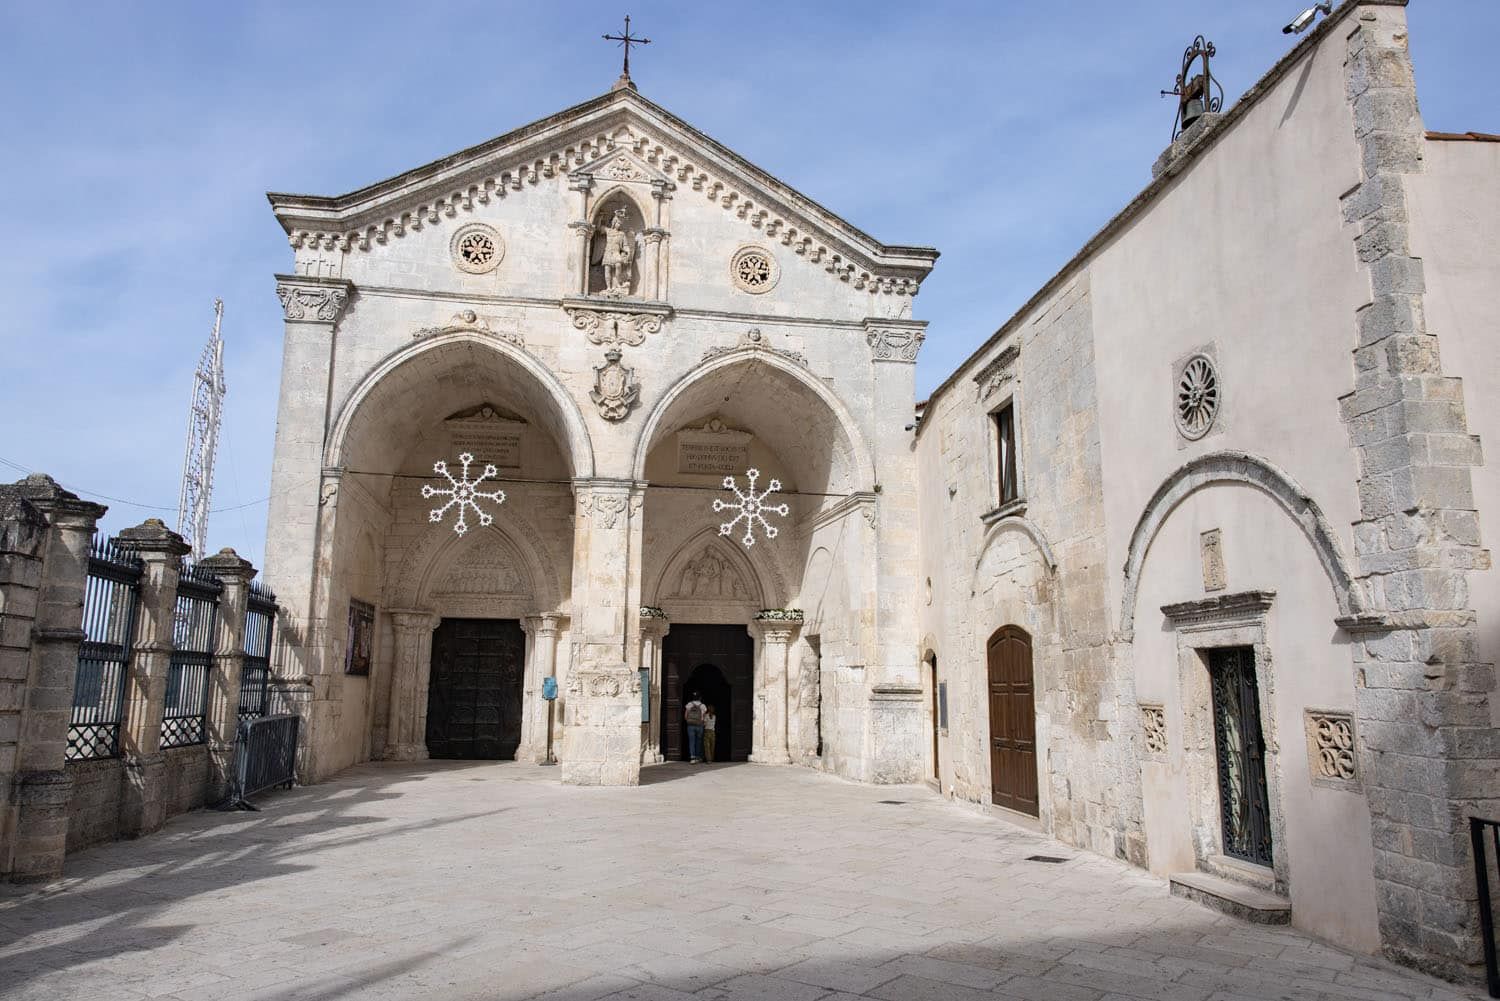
point(312, 300)
point(754, 340)
point(612, 323)
point(998, 372)
point(468, 321)
point(894, 340)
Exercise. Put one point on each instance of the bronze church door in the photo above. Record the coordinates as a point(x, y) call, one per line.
point(720, 660)
point(1012, 721)
point(474, 698)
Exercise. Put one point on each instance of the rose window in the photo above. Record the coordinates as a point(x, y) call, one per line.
point(1197, 402)
point(477, 249)
point(753, 270)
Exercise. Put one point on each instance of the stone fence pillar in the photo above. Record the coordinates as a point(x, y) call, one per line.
point(41, 785)
point(161, 550)
point(229, 661)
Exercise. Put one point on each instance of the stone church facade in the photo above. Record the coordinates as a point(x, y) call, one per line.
point(1182, 566)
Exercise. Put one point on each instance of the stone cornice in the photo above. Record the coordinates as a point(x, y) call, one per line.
point(305, 299)
point(1239, 608)
point(556, 147)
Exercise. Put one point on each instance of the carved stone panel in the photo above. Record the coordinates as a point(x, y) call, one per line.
point(490, 434)
point(1153, 730)
point(1330, 748)
point(1211, 547)
point(713, 449)
point(615, 390)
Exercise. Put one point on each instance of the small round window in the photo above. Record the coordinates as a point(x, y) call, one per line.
point(1197, 402)
point(477, 249)
point(754, 270)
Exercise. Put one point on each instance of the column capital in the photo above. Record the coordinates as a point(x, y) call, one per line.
point(894, 340)
point(230, 567)
point(308, 299)
point(413, 619)
point(543, 623)
point(153, 542)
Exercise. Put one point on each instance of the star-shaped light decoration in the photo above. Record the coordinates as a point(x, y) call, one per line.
point(464, 492)
point(751, 506)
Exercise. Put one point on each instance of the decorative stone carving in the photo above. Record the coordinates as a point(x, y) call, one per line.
point(466, 320)
point(754, 270)
point(604, 508)
point(489, 567)
point(1330, 747)
point(652, 612)
point(603, 327)
point(492, 435)
point(1211, 550)
point(998, 372)
point(1196, 403)
point(714, 449)
point(779, 615)
point(890, 342)
point(318, 303)
point(711, 575)
point(618, 249)
point(1154, 729)
point(615, 390)
point(476, 248)
point(1221, 611)
point(754, 340)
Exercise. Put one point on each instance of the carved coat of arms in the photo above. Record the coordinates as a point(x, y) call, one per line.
point(615, 389)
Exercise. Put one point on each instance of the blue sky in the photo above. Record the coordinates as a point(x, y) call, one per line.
point(141, 138)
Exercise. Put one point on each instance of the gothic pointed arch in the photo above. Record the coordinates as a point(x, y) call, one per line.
point(400, 384)
point(1252, 471)
point(434, 565)
point(707, 569)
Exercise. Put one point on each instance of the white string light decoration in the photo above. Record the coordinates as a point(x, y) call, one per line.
point(751, 507)
point(464, 492)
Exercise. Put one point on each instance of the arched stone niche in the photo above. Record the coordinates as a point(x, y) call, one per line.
point(617, 204)
point(709, 579)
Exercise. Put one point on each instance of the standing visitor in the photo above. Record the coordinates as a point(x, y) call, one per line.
point(693, 713)
point(710, 724)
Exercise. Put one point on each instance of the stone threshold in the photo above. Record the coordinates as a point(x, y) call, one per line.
point(1235, 899)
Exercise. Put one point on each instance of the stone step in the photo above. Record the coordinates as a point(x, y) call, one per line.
point(1235, 899)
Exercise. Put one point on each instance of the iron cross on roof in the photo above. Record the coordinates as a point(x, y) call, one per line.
point(627, 40)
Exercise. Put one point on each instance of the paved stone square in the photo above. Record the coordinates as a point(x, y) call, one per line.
point(491, 881)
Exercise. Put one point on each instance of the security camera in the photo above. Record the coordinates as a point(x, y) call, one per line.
point(910, 427)
point(1304, 20)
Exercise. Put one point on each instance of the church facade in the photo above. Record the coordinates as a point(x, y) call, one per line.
point(1184, 565)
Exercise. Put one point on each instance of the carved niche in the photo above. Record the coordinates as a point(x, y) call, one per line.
point(616, 248)
point(711, 576)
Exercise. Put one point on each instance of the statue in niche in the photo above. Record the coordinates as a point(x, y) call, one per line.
point(615, 251)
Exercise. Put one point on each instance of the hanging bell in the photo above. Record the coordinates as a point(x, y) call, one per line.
point(1192, 110)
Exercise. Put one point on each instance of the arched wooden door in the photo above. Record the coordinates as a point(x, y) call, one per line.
point(1012, 721)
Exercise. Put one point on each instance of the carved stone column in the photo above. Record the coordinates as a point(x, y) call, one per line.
point(541, 663)
point(161, 550)
point(654, 629)
point(42, 785)
point(773, 638)
point(406, 733)
point(229, 660)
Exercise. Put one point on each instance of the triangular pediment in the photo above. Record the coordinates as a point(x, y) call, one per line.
point(620, 133)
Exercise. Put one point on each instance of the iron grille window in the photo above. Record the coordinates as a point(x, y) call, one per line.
point(109, 606)
point(183, 721)
point(1005, 435)
point(255, 676)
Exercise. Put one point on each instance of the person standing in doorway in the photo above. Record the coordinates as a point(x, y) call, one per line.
point(693, 714)
point(710, 725)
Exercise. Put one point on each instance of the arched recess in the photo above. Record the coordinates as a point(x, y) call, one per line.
point(702, 572)
point(409, 382)
point(702, 389)
point(412, 585)
point(1246, 469)
point(1020, 525)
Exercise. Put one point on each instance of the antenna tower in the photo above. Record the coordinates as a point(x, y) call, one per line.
point(204, 415)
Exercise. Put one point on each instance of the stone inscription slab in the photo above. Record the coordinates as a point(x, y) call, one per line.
point(489, 434)
point(713, 450)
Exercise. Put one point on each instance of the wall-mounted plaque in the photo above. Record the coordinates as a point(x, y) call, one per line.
point(489, 434)
point(361, 640)
point(713, 449)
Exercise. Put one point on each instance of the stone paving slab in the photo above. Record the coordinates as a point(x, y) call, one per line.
point(712, 883)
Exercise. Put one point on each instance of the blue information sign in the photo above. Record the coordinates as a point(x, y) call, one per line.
point(549, 688)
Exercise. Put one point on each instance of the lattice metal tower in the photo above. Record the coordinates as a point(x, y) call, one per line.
point(204, 416)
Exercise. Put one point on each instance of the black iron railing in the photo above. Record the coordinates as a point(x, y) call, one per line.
point(265, 755)
point(109, 606)
point(255, 676)
point(1486, 838)
point(183, 719)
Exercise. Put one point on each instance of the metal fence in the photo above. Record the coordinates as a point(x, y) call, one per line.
point(265, 755)
point(183, 721)
point(255, 677)
point(109, 607)
point(1486, 838)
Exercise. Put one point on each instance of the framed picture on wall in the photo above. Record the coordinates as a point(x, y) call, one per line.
point(357, 653)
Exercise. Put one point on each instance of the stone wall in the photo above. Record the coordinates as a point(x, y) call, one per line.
point(94, 808)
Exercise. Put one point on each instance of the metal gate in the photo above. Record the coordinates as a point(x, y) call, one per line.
point(255, 676)
point(186, 708)
point(1243, 801)
point(109, 606)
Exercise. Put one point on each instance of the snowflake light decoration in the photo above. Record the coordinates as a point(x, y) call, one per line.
point(751, 506)
point(464, 492)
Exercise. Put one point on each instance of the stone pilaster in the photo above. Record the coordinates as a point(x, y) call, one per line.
point(773, 639)
point(41, 783)
point(411, 670)
point(654, 629)
point(161, 550)
point(222, 723)
point(23, 547)
point(1431, 756)
point(541, 663)
point(303, 494)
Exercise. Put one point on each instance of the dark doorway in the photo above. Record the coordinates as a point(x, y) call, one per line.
point(1012, 721)
point(1243, 801)
point(708, 656)
point(937, 772)
point(474, 697)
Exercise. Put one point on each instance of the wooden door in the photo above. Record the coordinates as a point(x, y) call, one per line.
point(474, 696)
point(1012, 721)
point(730, 650)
